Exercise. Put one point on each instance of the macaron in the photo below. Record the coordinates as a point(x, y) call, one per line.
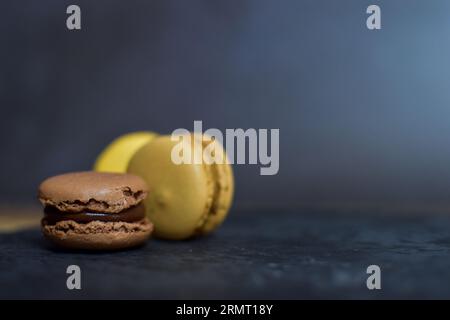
point(115, 157)
point(94, 210)
point(187, 200)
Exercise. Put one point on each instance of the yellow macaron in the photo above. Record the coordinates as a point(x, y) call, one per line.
point(116, 156)
point(185, 200)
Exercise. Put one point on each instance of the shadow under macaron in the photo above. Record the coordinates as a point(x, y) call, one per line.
point(48, 245)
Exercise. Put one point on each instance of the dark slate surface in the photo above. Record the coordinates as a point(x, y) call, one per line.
point(254, 255)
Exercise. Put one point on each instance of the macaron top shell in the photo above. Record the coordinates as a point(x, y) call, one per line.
point(93, 191)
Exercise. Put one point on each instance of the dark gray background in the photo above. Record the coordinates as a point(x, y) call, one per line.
point(363, 115)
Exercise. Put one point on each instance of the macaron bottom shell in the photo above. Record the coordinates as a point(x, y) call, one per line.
point(97, 235)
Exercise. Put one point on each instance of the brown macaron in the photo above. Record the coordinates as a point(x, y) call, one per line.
point(95, 210)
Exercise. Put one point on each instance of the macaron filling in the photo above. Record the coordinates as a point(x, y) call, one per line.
point(52, 215)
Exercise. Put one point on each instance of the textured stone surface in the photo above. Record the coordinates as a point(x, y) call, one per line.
point(254, 255)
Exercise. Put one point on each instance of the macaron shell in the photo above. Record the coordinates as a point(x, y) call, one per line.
point(116, 156)
point(98, 235)
point(179, 193)
point(89, 190)
point(222, 176)
point(223, 199)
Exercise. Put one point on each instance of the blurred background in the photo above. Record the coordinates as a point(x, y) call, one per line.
point(363, 115)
